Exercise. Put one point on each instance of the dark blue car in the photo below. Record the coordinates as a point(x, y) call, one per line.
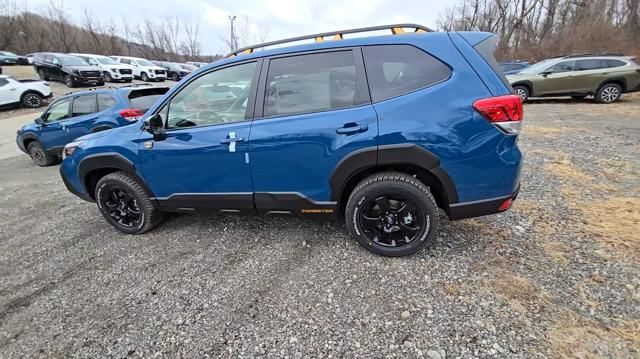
point(513, 67)
point(379, 131)
point(81, 113)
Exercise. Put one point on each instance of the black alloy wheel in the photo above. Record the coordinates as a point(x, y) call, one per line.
point(391, 220)
point(31, 100)
point(121, 206)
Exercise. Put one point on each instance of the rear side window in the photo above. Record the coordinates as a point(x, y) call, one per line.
point(615, 63)
point(105, 101)
point(593, 64)
point(486, 48)
point(310, 83)
point(83, 105)
point(394, 70)
point(3, 82)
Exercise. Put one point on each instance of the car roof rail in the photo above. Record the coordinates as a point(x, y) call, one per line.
point(90, 89)
point(133, 85)
point(396, 29)
point(593, 54)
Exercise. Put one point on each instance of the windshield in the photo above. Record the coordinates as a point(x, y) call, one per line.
point(7, 53)
point(538, 67)
point(143, 62)
point(72, 61)
point(106, 60)
point(175, 67)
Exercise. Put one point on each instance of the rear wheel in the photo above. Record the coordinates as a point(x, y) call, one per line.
point(125, 204)
point(31, 100)
point(522, 92)
point(42, 75)
point(39, 156)
point(609, 93)
point(392, 214)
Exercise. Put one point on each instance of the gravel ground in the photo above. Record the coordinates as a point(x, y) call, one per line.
point(558, 275)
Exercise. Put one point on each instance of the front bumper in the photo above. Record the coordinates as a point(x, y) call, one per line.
point(480, 208)
point(69, 174)
point(87, 80)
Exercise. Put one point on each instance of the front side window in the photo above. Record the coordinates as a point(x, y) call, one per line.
point(58, 112)
point(218, 97)
point(310, 83)
point(394, 70)
point(3, 82)
point(564, 66)
point(84, 105)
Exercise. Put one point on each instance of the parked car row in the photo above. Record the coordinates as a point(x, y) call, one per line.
point(604, 76)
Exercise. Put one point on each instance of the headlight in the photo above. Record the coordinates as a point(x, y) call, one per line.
point(76, 72)
point(70, 148)
point(114, 70)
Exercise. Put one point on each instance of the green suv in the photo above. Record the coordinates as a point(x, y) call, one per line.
point(604, 77)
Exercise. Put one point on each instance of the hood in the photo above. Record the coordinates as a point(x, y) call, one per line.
point(93, 135)
point(82, 68)
point(119, 66)
point(30, 126)
point(154, 67)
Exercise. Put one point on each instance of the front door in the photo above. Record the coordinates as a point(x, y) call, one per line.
point(314, 111)
point(557, 79)
point(51, 133)
point(202, 163)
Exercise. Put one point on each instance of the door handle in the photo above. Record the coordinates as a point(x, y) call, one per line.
point(13, 89)
point(231, 139)
point(351, 129)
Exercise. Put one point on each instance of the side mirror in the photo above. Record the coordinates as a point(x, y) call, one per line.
point(58, 65)
point(40, 121)
point(155, 126)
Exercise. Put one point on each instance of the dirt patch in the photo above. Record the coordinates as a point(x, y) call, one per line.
point(563, 167)
point(542, 131)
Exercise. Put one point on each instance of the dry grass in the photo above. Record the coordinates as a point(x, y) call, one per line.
point(562, 167)
point(556, 250)
point(616, 170)
point(616, 221)
point(573, 337)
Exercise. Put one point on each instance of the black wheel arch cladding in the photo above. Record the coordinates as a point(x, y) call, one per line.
point(103, 164)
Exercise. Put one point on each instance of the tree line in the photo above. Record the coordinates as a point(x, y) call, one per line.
point(537, 29)
point(170, 39)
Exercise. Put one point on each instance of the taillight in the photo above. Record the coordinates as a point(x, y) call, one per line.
point(506, 112)
point(131, 114)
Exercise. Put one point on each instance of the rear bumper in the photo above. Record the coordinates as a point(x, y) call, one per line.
point(479, 208)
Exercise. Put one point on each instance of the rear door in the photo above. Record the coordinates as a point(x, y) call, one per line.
point(589, 73)
point(313, 109)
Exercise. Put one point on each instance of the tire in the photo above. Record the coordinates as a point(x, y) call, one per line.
point(161, 80)
point(144, 77)
point(31, 100)
point(175, 77)
point(609, 93)
point(118, 195)
point(69, 81)
point(42, 75)
point(100, 84)
point(128, 80)
point(410, 206)
point(522, 92)
point(39, 156)
point(107, 77)
point(580, 97)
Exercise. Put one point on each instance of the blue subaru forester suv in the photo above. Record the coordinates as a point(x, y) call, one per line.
point(77, 114)
point(379, 131)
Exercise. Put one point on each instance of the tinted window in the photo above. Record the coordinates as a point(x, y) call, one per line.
point(125, 61)
point(593, 64)
point(310, 83)
point(615, 63)
point(395, 70)
point(3, 82)
point(564, 66)
point(58, 111)
point(198, 104)
point(105, 101)
point(84, 105)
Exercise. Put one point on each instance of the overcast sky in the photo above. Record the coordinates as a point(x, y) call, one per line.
point(284, 18)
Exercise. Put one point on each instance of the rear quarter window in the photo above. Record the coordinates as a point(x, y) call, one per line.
point(615, 63)
point(143, 99)
point(395, 70)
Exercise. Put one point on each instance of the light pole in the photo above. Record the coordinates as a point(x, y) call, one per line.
point(234, 42)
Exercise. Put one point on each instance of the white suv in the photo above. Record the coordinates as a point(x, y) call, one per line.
point(111, 69)
point(143, 69)
point(28, 93)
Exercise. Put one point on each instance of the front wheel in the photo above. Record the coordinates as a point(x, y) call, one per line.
point(175, 77)
point(125, 204)
point(609, 93)
point(42, 75)
point(144, 77)
point(392, 214)
point(107, 77)
point(69, 81)
point(39, 155)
